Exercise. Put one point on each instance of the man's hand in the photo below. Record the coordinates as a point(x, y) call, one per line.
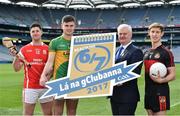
point(45, 77)
point(158, 79)
point(43, 80)
point(13, 51)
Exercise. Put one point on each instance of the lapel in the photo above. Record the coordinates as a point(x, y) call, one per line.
point(125, 54)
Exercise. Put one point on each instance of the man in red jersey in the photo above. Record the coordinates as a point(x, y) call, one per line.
point(33, 56)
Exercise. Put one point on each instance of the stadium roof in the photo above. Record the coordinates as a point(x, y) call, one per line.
point(91, 3)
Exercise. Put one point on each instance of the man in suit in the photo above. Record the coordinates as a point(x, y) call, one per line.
point(126, 96)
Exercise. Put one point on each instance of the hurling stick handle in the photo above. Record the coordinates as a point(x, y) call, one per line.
point(28, 64)
point(7, 42)
point(22, 58)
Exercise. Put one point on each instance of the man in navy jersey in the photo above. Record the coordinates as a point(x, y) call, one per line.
point(157, 95)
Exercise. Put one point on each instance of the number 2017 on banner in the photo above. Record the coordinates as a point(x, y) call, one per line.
point(96, 88)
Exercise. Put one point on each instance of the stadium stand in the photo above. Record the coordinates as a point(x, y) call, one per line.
point(175, 51)
point(174, 17)
point(4, 56)
point(15, 20)
point(88, 18)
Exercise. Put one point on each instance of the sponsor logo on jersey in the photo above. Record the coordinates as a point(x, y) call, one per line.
point(28, 50)
point(60, 46)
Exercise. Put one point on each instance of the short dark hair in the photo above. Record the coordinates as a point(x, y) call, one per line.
point(35, 24)
point(68, 18)
point(156, 25)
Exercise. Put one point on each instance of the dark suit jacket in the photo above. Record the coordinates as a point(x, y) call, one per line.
point(128, 91)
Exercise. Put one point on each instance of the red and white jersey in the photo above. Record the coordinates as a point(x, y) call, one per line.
point(37, 56)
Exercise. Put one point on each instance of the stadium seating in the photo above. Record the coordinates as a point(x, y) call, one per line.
point(96, 18)
point(90, 19)
point(4, 56)
point(175, 51)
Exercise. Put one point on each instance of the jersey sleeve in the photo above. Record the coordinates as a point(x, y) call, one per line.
point(21, 54)
point(169, 59)
point(52, 46)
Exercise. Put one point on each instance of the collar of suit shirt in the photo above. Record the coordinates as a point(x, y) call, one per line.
point(125, 46)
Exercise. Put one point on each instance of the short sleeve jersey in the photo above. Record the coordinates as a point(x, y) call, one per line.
point(37, 56)
point(160, 54)
point(61, 47)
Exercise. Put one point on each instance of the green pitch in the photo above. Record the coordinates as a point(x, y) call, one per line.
point(11, 84)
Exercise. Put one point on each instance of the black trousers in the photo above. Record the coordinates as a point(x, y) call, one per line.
point(123, 108)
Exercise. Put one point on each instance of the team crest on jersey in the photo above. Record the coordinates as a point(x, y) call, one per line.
point(157, 55)
point(44, 52)
point(66, 54)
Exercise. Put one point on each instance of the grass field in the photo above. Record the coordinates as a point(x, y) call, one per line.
point(11, 84)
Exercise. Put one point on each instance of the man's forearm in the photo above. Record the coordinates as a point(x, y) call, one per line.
point(17, 64)
point(47, 72)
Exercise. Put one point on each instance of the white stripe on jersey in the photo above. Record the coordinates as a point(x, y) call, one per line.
point(27, 81)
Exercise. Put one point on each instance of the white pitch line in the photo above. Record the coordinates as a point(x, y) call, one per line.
point(175, 104)
point(12, 110)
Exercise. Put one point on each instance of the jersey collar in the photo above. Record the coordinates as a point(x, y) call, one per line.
point(36, 45)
